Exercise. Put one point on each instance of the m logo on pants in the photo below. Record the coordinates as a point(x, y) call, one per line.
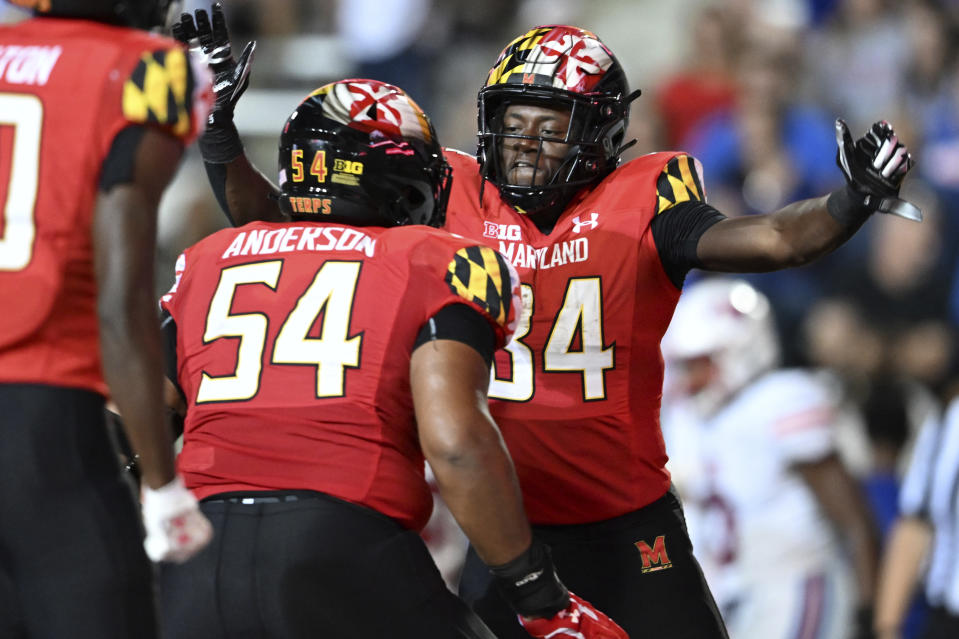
point(654, 558)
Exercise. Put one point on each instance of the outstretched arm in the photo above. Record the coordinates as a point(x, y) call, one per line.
point(874, 167)
point(792, 236)
point(242, 191)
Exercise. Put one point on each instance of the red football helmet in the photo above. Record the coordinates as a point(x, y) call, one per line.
point(559, 67)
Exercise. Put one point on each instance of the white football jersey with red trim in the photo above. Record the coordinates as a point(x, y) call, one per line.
point(755, 524)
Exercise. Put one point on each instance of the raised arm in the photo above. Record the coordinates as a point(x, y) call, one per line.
point(874, 167)
point(243, 191)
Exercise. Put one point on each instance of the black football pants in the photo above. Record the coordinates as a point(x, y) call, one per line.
point(71, 545)
point(297, 564)
point(638, 568)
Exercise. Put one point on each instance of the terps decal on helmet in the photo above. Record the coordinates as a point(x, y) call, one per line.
point(563, 57)
point(362, 152)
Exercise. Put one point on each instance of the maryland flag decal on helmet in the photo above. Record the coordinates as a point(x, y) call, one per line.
point(563, 57)
point(368, 106)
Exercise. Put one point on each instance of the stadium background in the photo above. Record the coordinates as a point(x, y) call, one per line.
point(749, 87)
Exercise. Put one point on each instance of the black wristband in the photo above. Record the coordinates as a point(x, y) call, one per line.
point(529, 583)
point(848, 207)
point(220, 144)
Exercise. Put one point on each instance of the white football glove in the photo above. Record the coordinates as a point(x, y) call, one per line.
point(175, 528)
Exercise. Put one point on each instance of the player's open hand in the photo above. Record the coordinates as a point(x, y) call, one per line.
point(230, 77)
point(580, 620)
point(175, 528)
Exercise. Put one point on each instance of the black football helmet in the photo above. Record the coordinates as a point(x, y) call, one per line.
point(361, 152)
point(141, 14)
point(559, 67)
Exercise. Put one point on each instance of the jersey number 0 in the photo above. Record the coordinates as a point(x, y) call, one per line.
point(22, 116)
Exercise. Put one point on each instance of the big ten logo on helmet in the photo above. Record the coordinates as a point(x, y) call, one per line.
point(502, 231)
point(347, 172)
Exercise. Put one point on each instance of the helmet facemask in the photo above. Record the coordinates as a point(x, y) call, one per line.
point(593, 142)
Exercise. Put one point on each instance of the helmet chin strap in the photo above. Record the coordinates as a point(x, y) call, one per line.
point(622, 148)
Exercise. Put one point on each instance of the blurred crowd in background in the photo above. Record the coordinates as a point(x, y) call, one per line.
point(749, 87)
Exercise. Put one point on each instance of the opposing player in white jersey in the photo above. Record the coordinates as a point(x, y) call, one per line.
point(781, 528)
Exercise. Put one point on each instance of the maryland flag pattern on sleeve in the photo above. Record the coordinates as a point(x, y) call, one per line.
point(680, 181)
point(160, 91)
point(482, 277)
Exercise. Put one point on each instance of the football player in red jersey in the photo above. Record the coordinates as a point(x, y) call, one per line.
point(602, 251)
point(94, 115)
point(318, 361)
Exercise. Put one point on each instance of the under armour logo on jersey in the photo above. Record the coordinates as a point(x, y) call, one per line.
point(592, 222)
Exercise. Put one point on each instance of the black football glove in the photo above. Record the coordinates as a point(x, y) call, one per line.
point(874, 167)
point(220, 142)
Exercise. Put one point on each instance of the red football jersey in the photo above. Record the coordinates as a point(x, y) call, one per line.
point(577, 392)
point(67, 87)
point(293, 352)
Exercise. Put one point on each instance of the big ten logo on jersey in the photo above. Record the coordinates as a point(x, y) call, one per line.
point(346, 172)
point(496, 231)
point(528, 256)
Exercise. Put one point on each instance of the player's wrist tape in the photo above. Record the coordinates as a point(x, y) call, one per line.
point(848, 207)
point(530, 585)
point(220, 144)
